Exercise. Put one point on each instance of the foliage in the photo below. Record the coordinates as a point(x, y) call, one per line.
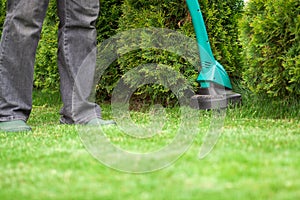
point(110, 12)
point(119, 15)
point(2, 13)
point(270, 37)
point(221, 17)
point(140, 14)
point(46, 72)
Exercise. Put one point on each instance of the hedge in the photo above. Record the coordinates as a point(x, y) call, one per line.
point(2, 13)
point(270, 38)
point(46, 72)
point(221, 18)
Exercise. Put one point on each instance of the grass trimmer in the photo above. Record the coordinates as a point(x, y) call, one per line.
point(215, 86)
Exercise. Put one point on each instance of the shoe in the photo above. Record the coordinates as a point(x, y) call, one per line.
point(101, 122)
point(14, 126)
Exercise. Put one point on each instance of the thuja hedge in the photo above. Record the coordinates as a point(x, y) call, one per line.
point(270, 35)
point(2, 13)
point(221, 18)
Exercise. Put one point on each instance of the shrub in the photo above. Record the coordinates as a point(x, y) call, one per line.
point(107, 23)
point(46, 72)
point(119, 15)
point(2, 13)
point(221, 20)
point(270, 38)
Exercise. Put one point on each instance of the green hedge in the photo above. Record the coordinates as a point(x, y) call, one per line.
point(221, 17)
point(107, 24)
point(221, 20)
point(2, 13)
point(46, 72)
point(118, 15)
point(140, 14)
point(268, 61)
point(270, 38)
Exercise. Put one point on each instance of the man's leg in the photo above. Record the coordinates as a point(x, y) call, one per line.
point(77, 59)
point(19, 41)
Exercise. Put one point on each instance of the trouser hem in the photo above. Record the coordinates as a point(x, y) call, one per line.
point(13, 118)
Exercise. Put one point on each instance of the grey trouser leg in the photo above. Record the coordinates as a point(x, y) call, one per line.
point(21, 32)
point(76, 43)
point(19, 41)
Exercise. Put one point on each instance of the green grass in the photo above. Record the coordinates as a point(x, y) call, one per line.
point(256, 157)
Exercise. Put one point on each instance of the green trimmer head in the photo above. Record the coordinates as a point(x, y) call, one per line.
point(215, 87)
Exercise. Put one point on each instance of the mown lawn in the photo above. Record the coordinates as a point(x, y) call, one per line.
point(256, 157)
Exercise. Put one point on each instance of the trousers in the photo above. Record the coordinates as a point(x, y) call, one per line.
point(76, 43)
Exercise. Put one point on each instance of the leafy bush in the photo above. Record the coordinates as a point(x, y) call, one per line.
point(107, 24)
point(270, 37)
point(119, 15)
point(2, 13)
point(140, 14)
point(221, 18)
point(46, 72)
